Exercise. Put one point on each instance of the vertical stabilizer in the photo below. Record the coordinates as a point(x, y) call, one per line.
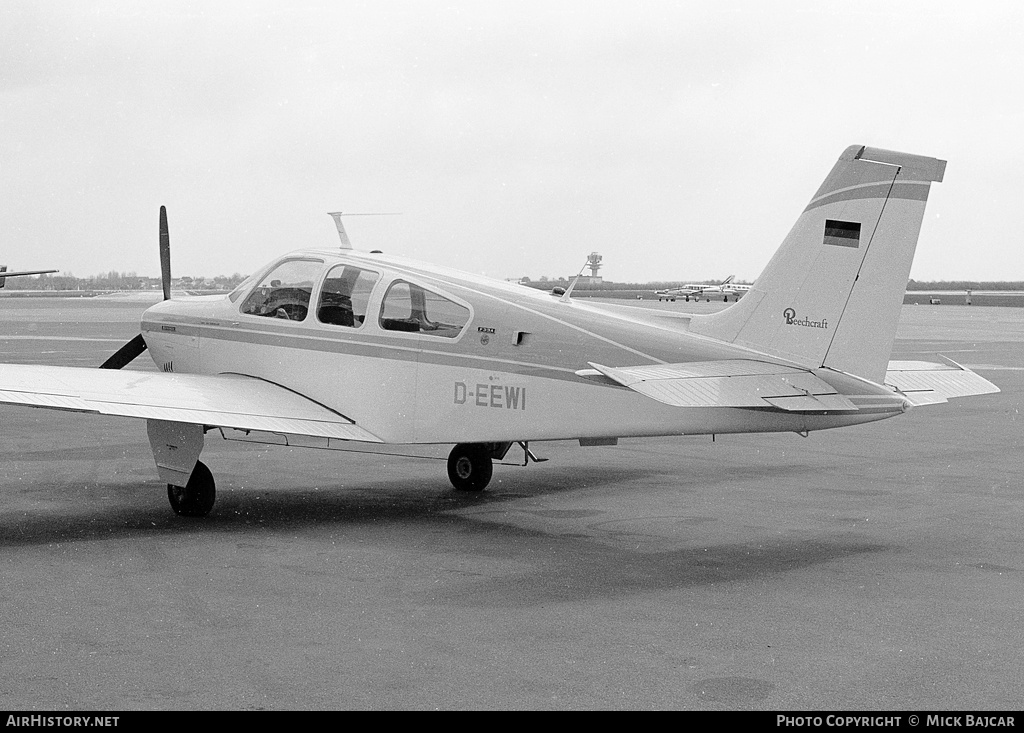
point(832, 293)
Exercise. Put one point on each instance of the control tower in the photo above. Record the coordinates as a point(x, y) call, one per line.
point(594, 263)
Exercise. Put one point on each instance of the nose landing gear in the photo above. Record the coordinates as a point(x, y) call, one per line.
point(197, 497)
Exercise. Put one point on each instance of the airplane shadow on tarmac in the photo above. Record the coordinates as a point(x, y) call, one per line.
point(84, 509)
point(595, 571)
point(98, 511)
point(561, 566)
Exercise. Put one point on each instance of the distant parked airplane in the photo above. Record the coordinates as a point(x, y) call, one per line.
point(734, 289)
point(4, 274)
point(695, 290)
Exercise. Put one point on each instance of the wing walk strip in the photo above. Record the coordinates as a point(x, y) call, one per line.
point(224, 400)
point(730, 383)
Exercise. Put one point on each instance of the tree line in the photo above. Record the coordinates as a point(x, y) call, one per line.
point(965, 285)
point(115, 280)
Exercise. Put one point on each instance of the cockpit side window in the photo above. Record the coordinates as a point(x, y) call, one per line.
point(410, 307)
point(285, 291)
point(345, 295)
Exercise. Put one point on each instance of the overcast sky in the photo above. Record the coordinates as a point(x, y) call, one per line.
point(679, 139)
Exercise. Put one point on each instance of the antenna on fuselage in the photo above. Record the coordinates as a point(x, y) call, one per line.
point(346, 243)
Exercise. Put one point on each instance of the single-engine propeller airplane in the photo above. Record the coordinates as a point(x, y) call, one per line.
point(324, 347)
point(4, 274)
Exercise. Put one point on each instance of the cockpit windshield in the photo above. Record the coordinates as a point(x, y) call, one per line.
point(285, 291)
point(242, 287)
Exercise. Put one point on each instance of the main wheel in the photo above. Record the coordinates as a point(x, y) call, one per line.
point(196, 498)
point(470, 467)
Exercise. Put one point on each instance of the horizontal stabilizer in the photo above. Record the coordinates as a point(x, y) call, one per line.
point(222, 400)
point(928, 383)
point(729, 383)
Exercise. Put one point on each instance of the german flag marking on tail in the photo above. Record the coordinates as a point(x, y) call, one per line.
point(842, 233)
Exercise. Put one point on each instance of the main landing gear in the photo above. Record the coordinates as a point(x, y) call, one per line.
point(470, 464)
point(196, 498)
point(470, 467)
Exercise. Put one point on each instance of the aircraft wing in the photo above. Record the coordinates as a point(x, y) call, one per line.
point(5, 274)
point(222, 400)
point(928, 383)
point(729, 383)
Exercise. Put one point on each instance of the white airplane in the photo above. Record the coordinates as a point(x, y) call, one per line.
point(4, 274)
point(736, 290)
point(692, 289)
point(330, 347)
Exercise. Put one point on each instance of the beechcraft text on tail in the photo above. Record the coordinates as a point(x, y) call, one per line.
point(328, 347)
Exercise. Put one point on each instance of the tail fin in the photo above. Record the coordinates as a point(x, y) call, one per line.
point(727, 280)
point(831, 295)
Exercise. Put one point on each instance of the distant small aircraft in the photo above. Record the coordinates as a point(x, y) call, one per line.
point(4, 274)
point(736, 290)
point(328, 347)
point(694, 290)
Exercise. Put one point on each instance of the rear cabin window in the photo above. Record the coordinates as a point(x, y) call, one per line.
point(409, 307)
point(285, 291)
point(345, 295)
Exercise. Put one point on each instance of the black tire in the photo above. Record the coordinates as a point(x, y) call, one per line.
point(195, 499)
point(470, 467)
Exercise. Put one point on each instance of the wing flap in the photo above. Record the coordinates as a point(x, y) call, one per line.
point(928, 383)
point(730, 383)
point(222, 400)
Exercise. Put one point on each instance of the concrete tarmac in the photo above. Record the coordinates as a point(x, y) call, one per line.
point(872, 568)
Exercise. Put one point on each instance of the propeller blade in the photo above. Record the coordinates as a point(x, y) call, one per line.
point(125, 354)
point(165, 253)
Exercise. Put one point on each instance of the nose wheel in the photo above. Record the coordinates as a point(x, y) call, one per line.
point(470, 467)
point(196, 498)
